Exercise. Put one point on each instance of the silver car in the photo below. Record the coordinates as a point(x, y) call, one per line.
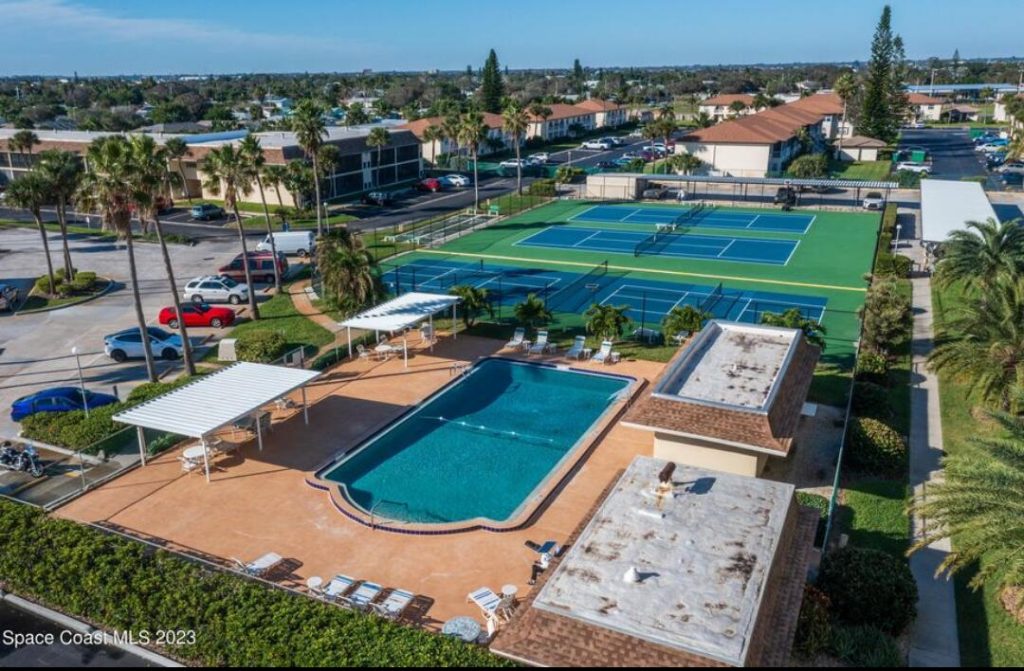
point(873, 201)
point(216, 289)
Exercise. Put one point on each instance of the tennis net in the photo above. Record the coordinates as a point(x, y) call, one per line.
point(567, 293)
point(709, 302)
point(647, 243)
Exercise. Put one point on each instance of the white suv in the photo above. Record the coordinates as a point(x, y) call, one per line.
point(596, 144)
point(873, 201)
point(214, 289)
point(920, 168)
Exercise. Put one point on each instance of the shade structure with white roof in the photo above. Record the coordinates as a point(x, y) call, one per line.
point(401, 313)
point(947, 206)
point(217, 400)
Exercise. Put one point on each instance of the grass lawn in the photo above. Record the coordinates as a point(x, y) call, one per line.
point(279, 314)
point(874, 515)
point(260, 222)
point(866, 170)
point(988, 636)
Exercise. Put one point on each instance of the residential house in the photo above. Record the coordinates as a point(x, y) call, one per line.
point(561, 121)
point(497, 139)
point(924, 108)
point(962, 113)
point(1002, 114)
point(861, 148)
point(606, 113)
point(720, 107)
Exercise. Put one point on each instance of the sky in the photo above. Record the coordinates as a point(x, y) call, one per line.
point(109, 37)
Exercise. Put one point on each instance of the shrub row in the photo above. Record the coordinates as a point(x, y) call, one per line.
point(84, 282)
point(869, 587)
point(875, 447)
point(543, 187)
point(888, 264)
point(260, 346)
point(124, 585)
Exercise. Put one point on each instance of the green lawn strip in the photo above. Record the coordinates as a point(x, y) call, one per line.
point(866, 170)
point(874, 515)
point(260, 222)
point(988, 636)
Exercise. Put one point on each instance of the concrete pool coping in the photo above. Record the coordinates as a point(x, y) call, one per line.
point(532, 505)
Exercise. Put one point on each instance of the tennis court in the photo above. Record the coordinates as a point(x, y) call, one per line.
point(693, 216)
point(676, 243)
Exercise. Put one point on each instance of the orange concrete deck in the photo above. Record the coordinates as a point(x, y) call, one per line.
point(259, 502)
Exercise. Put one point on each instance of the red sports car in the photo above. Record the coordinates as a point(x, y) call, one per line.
point(429, 184)
point(198, 314)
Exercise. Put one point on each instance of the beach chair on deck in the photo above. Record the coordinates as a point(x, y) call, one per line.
point(261, 566)
point(541, 345)
point(338, 588)
point(395, 605)
point(578, 345)
point(517, 339)
point(493, 606)
point(605, 354)
point(364, 594)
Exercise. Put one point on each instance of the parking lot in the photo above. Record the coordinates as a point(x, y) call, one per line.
point(952, 153)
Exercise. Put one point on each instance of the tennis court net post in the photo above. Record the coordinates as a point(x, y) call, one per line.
point(569, 289)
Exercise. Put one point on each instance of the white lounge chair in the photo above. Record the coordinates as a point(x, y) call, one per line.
point(394, 605)
point(605, 353)
point(363, 352)
point(541, 344)
point(338, 587)
point(492, 605)
point(261, 566)
point(579, 343)
point(364, 594)
point(517, 339)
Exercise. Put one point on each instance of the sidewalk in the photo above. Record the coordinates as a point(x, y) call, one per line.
point(933, 639)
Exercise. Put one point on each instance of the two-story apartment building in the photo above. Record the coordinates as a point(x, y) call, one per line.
point(606, 113)
point(560, 122)
point(924, 107)
point(499, 139)
point(720, 107)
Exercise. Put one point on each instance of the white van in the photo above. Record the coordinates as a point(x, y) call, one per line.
point(300, 243)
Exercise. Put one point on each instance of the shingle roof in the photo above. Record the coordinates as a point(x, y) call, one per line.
point(596, 105)
point(777, 124)
point(420, 125)
point(562, 111)
point(922, 99)
point(726, 99)
point(856, 141)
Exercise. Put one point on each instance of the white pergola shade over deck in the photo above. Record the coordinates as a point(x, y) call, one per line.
point(947, 206)
point(216, 400)
point(401, 313)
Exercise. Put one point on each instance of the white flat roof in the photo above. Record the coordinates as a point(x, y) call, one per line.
point(399, 313)
point(946, 206)
point(217, 399)
point(703, 556)
point(731, 365)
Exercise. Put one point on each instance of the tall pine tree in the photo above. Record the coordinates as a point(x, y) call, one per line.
point(492, 89)
point(578, 77)
point(877, 117)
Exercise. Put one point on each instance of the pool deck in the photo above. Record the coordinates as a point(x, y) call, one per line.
point(259, 502)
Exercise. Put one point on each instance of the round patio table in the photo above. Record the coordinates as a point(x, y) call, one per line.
point(193, 453)
point(465, 628)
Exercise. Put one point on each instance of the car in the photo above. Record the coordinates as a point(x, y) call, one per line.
point(785, 195)
point(994, 145)
point(59, 399)
point(1013, 179)
point(647, 155)
point(514, 163)
point(630, 156)
point(636, 132)
point(608, 165)
point(206, 212)
point(540, 158)
point(910, 166)
point(381, 198)
point(431, 184)
point(212, 288)
point(199, 315)
point(8, 296)
point(874, 200)
point(995, 160)
point(917, 125)
point(596, 144)
point(457, 180)
point(1011, 167)
point(814, 188)
point(987, 137)
point(655, 193)
point(298, 243)
point(127, 344)
point(261, 267)
point(656, 148)
point(164, 204)
point(617, 141)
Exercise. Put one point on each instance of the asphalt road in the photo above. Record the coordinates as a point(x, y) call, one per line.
point(952, 152)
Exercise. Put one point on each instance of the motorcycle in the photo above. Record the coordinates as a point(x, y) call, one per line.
point(24, 459)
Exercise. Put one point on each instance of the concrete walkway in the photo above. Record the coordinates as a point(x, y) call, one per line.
point(933, 639)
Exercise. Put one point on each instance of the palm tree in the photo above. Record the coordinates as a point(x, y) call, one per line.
point(737, 107)
point(108, 187)
point(980, 253)
point(704, 120)
point(982, 344)
point(350, 274)
point(762, 100)
point(310, 132)
point(151, 182)
point(667, 112)
point(176, 151)
point(686, 319)
point(226, 167)
point(685, 163)
point(475, 302)
point(450, 130)
point(846, 88)
point(274, 175)
point(978, 506)
point(22, 142)
point(793, 319)
point(472, 131)
point(252, 153)
point(63, 173)
point(667, 126)
point(515, 121)
point(30, 193)
point(379, 137)
point(433, 134)
point(532, 311)
point(607, 321)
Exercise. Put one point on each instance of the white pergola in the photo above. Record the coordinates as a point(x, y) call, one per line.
point(217, 400)
point(401, 313)
point(947, 205)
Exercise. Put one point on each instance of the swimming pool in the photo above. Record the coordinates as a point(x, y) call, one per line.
point(480, 449)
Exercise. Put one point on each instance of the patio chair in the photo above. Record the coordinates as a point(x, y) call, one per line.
point(517, 339)
point(261, 566)
point(541, 345)
point(605, 354)
point(338, 588)
point(578, 345)
point(364, 594)
point(395, 605)
point(363, 352)
point(549, 547)
point(492, 605)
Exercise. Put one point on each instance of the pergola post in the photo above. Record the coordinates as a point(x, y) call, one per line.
point(430, 322)
point(405, 347)
point(259, 429)
point(348, 330)
point(305, 406)
point(206, 457)
point(455, 323)
point(142, 443)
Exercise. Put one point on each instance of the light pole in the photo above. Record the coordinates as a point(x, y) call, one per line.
point(81, 379)
point(896, 241)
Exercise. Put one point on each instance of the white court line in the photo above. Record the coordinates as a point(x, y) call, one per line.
point(432, 279)
point(580, 214)
point(808, 227)
point(597, 232)
point(627, 216)
point(681, 299)
point(726, 248)
point(739, 317)
point(791, 253)
point(753, 220)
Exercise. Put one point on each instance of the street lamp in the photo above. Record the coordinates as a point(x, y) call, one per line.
point(896, 241)
point(81, 380)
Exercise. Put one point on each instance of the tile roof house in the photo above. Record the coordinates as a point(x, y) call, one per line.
point(562, 118)
point(606, 113)
point(924, 108)
point(500, 140)
point(861, 148)
point(675, 567)
point(719, 107)
point(731, 399)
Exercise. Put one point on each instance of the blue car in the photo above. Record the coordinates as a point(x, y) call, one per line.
point(58, 399)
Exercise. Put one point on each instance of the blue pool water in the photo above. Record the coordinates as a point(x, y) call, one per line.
point(480, 447)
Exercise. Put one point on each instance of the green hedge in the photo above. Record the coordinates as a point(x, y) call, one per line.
point(124, 585)
point(865, 646)
point(871, 400)
point(260, 346)
point(875, 447)
point(869, 587)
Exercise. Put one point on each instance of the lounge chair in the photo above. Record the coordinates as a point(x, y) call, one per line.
point(338, 588)
point(541, 344)
point(364, 594)
point(363, 352)
point(261, 566)
point(517, 339)
point(579, 343)
point(492, 605)
point(549, 547)
point(605, 354)
point(392, 608)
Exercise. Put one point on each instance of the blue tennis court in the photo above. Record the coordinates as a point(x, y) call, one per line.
point(682, 245)
point(709, 217)
point(648, 300)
